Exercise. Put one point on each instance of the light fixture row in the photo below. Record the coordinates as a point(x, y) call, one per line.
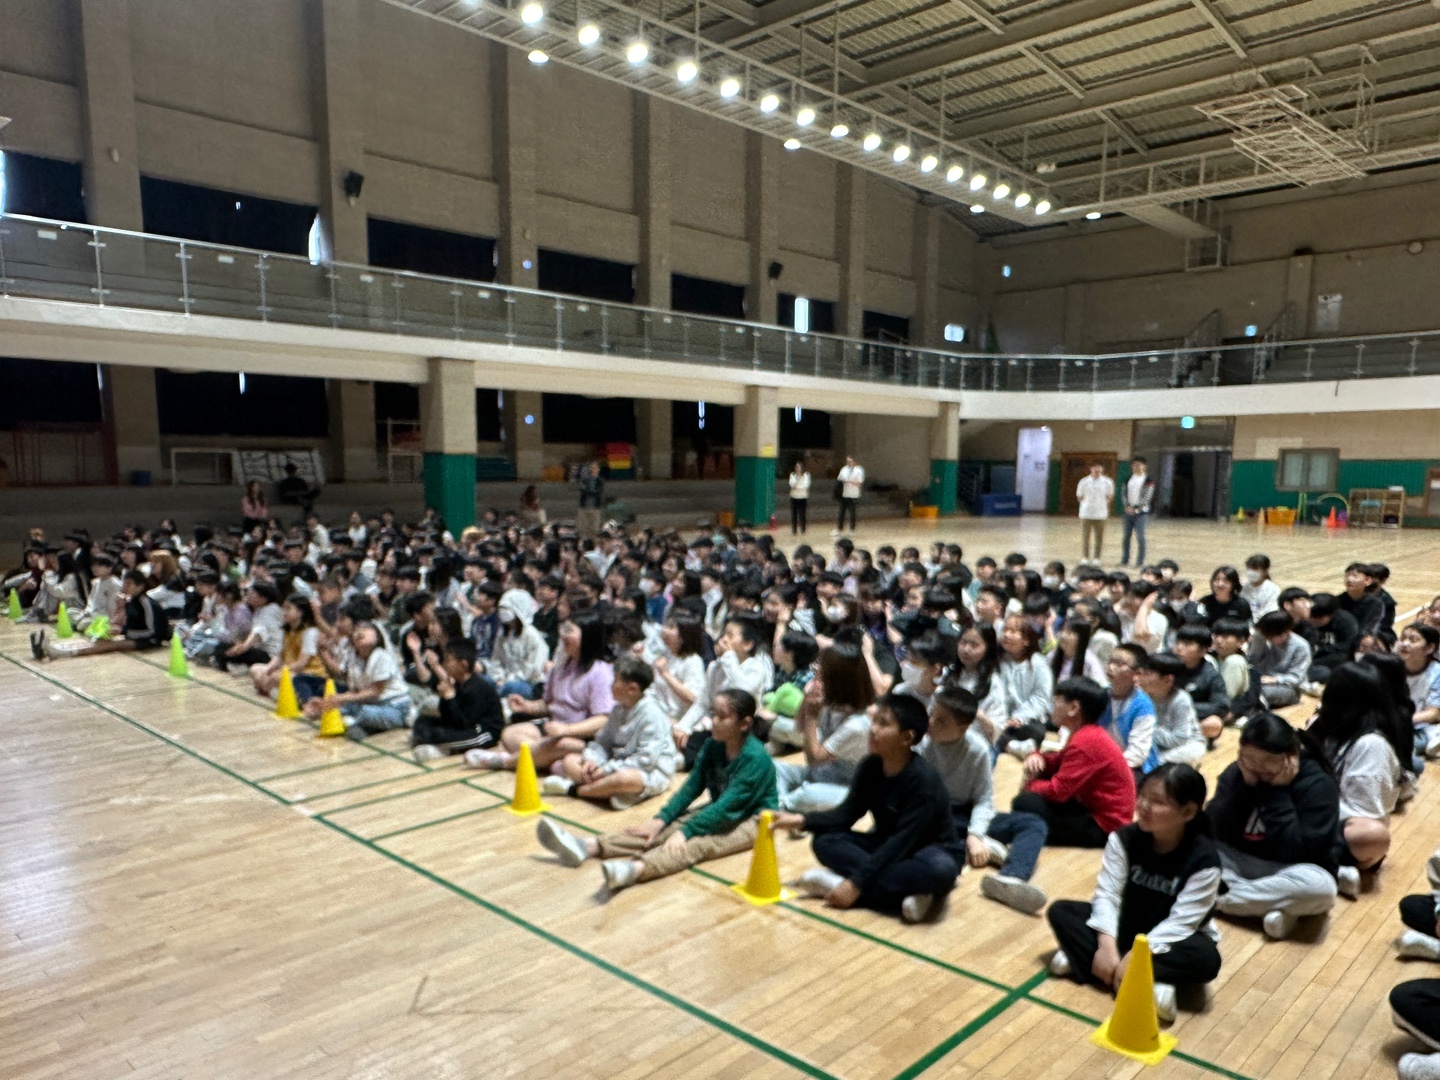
point(687, 72)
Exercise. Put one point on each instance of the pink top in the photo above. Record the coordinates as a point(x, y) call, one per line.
point(254, 508)
point(574, 696)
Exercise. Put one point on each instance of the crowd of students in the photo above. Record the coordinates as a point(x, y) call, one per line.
point(832, 685)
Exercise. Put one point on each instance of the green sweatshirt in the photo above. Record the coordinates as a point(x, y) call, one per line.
point(739, 789)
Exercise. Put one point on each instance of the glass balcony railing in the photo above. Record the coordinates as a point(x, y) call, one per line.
point(54, 260)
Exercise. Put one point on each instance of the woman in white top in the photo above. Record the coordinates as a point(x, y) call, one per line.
point(835, 724)
point(517, 661)
point(799, 496)
point(1072, 655)
point(1029, 688)
point(978, 653)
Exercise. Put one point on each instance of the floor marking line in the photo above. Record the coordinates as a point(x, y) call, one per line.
point(385, 798)
point(437, 821)
point(944, 1048)
point(312, 768)
point(357, 787)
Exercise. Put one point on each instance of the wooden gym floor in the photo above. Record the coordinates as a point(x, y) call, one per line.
point(190, 888)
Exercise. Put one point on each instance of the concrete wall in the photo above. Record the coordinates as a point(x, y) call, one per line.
point(1366, 435)
point(995, 440)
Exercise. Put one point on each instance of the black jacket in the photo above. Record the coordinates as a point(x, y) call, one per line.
point(1297, 823)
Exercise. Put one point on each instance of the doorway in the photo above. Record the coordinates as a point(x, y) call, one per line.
point(1074, 468)
point(1032, 468)
point(1193, 484)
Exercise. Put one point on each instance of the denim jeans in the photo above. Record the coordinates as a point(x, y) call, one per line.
point(930, 871)
point(1036, 821)
point(1134, 526)
point(375, 717)
point(517, 686)
point(801, 795)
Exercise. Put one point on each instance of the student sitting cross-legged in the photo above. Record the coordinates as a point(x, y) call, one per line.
point(961, 755)
point(910, 859)
point(470, 714)
point(374, 698)
point(740, 778)
point(633, 757)
point(1160, 877)
point(145, 626)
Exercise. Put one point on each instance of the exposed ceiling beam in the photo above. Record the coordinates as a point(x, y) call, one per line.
point(980, 15)
point(1125, 131)
point(776, 13)
point(1199, 75)
point(1054, 70)
point(1223, 28)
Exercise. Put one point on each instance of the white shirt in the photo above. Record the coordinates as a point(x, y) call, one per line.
point(800, 485)
point(852, 479)
point(1095, 495)
point(1135, 489)
point(379, 667)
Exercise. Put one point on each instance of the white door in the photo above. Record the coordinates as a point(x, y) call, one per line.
point(1032, 468)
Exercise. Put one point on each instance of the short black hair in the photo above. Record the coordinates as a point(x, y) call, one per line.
point(1167, 664)
point(931, 648)
point(462, 649)
point(1087, 693)
point(1259, 561)
point(802, 647)
point(1196, 634)
point(634, 670)
point(1236, 628)
point(1275, 622)
point(909, 713)
point(958, 702)
point(1290, 595)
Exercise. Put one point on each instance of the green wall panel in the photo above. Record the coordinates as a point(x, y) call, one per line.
point(754, 490)
point(1252, 483)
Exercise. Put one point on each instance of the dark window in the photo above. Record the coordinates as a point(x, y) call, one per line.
point(810, 432)
point(43, 187)
point(399, 246)
point(822, 313)
point(718, 429)
point(48, 392)
point(487, 415)
point(225, 217)
point(272, 406)
point(396, 401)
point(580, 275)
point(701, 296)
point(892, 329)
point(573, 418)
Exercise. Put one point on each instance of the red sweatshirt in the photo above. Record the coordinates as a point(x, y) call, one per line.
point(1091, 770)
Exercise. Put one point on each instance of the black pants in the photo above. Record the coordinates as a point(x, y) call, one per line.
point(1034, 730)
point(246, 658)
point(1416, 1005)
point(930, 871)
point(797, 515)
point(1190, 962)
point(847, 505)
point(1070, 824)
point(1418, 913)
point(428, 730)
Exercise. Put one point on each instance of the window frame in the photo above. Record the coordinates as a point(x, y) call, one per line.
point(1309, 455)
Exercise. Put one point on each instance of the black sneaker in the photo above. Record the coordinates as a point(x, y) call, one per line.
point(37, 644)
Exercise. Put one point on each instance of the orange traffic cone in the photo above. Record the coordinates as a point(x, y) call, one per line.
point(527, 788)
point(1133, 1028)
point(762, 886)
point(331, 722)
point(287, 706)
point(1333, 521)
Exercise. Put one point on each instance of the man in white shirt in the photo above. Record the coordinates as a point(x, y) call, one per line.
point(851, 480)
point(1139, 494)
point(1096, 492)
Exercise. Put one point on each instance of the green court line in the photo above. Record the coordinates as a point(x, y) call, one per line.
point(347, 790)
point(312, 768)
point(934, 1055)
point(385, 798)
point(437, 821)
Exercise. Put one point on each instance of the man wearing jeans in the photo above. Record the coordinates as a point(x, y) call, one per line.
point(1095, 493)
point(1139, 494)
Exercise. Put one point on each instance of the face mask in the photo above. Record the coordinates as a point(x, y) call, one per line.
point(507, 616)
point(835, 613)
point(649, 588)
point(911, 674)
point(1254, 577)
point(1050, 581)
point(712, 596)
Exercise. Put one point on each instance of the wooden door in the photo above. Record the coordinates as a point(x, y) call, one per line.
point(1074, 468)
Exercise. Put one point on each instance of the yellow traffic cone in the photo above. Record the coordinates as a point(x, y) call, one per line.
point(527, 788)
point(63, 629)
point(1133, 1028)
point(15, 611)
point(763, 885)
point(287, 706)
point(331, 722)
point(99, 627)
point(179, 666)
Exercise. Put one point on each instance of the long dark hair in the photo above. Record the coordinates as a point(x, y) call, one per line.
point(1184, 786)
point(593, 644)
point(989, 663)
point(1273, 734)
point(846, 676)
point(1081, 629)
point(1361, 698)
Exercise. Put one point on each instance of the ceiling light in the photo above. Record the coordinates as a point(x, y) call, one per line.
point(1042, 207)
point(872, 141)
point(769, 103)
point(978, 181)
point(537, 56)
point(589, 34)
point(1001, 190)
point(1093, 215)
point(805, 117)
point(839, 131)
point(637, 52)
point(954, 173)
point(729, 87)
point(532, 13)
point(1022, 200)
point(792, 144)
point(977, 209)
point(687, 71)
point(928, 163)
point(901, 153)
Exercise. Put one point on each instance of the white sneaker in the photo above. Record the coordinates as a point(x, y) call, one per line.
point(1165, 1003)
point(997, 851)
point(819, 881)
point(1279, 925)
point(561, 842)
point(1311, 689)
point(913, 909)
point(1013, 893)
point(425, 752)
point(1347, 882)
point(556, 785)
point(1060, 964)
point(1413, 945)
point(1420, 1067)
point(619, 873)
point(1409, 787)
point(1432, 742)
point(1021, 750)
point(485, 759)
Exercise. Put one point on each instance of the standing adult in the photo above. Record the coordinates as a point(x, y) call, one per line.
point(799, 496)
point(1095, 492)
point(254, 508)
point(532, 511)
point(852, 481)
point(592, 494)
point(1139, 497)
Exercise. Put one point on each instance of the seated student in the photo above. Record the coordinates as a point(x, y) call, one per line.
point(267, 629)
point(1388, 606)
point(299, 653)
point(733, 768)
point(1415, 1009)
point(631, 758)
point(925, 661)
point(1421, 938)
point(1129, 715)
point(1072, 655)
point(1104, 624)
point(518, 653)
point(742, 662)
point(1262, 594)
point(1279, 661)
point(1419, 650)
point(375, 698)
point(911, 857)
point(1178, 739)
point(1360, 598)
point(1028, 686)
point(1296, 603)
point(961, 755)
point(470, 716)
point(1276, 813)
point(1160, 877)
point(104, 599)
point(1074, 798)
point(1364, 740)
point(989, 607)
point(1224, 600)
point(145, 626)
point(1336, 635)
point(679, 671)
point(833, 721)
point(795, 655)
point(1201, 678)
point(1231, 639)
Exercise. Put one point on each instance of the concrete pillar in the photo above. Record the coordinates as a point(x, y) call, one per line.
point(133, 412)
point(656, 438)
point(757, 442)
point(1299, 281)
point(112, 165)
point(447, 437)
point(844, 437)
point(850, 244)
point(352, 430)
point(524, 426)
point(514, 93)
point(339, 109)
point(652, 201)
point(762, 223)
point(945, 456)
point(925, 273)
